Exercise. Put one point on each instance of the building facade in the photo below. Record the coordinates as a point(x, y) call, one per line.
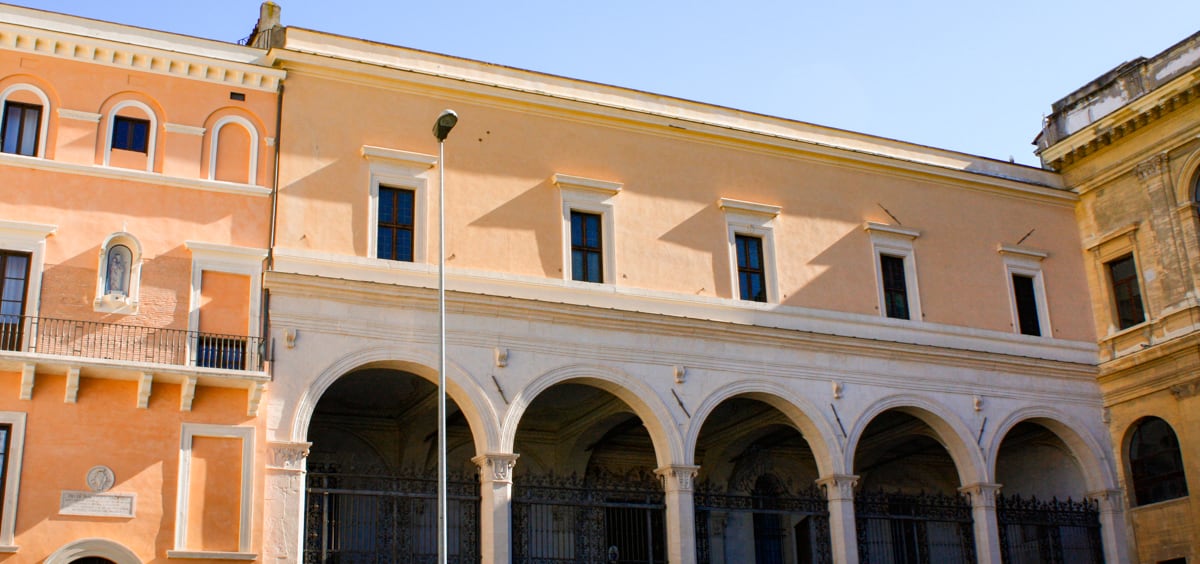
point(1127, 144)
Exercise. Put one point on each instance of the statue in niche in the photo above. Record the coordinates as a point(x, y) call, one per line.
point(116, 281)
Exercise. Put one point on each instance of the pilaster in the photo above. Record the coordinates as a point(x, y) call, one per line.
point(1112, 525)
point(283, 503)
point(1153, 175)
point(495, 505)
point(839, 490)
point(681, 512)
point(987, 527)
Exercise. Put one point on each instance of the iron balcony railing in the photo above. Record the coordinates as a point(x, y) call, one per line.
point(132, 343)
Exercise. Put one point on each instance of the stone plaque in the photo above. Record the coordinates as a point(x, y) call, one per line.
point(97, 504)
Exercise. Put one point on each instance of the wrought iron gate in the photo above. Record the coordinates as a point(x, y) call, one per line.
point(603, 518)
point(1048, 532)
point(899, 528)
point(805, 516)
point(376, 517)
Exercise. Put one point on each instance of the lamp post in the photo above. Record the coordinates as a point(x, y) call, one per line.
point(441, 128)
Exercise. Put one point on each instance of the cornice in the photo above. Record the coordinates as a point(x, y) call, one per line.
point(37, 163)
point(169, 57)
point(1141, 373)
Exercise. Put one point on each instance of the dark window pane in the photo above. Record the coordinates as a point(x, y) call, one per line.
point(895, 286)
point(577, 272)
point(1126, 292)
point(29, 131)
point(130, 134)
point(22, 123)
point(1155, 463)
point(751, 283)
point(385, 245)
point(404, 206)
point(404, 245)
point(587, 253)
point(395, 224)
point(593, 267)
point(387, 206)
point(1026, 299)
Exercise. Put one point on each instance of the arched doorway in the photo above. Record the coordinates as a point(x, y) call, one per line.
point(1042, 510)
point(755, 497)
point(585, 489)
point(907, 506)
point(372, 473)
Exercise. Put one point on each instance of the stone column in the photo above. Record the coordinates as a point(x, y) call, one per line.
point(681, 512)
point(987, 528)
point(1112, 526)
point(839, 490)
point(495, 506)
point(283, 502)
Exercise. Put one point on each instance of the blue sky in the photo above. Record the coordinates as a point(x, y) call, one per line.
point(975, 77)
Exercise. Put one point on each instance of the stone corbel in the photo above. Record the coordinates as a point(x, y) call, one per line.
point(187, 393)
point(144, 384)
point(27, 372)
point(72, 391)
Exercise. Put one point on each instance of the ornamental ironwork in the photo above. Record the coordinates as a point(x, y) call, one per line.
point(772, 518)
point(1048, 531)
point(906, 528)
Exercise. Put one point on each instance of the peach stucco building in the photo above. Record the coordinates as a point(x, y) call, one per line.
point(676, 332)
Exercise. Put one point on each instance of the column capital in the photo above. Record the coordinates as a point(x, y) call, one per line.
point(982, 494)
point(287, 455)
point(1109, 499)
point(838, 486)
point(496, 466)
point(677, 477)
point(1151, 167)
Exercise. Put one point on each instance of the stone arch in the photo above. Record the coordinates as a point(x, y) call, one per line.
point(101, 548)
point(111, 108)
point(805, 416)
point(25, 83)
point(1097, 471)
point(125, 302)
point(1187, 181)
point(951, 432)
point(212, 127)
point(460, 386)
point(641, 398)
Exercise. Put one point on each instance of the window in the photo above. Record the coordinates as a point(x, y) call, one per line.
point(394, 240)
point(220, 351)
point(14, 268)
point(587, 251)
point(1127, 295)
point(1023, 268)
point(12, 441)
point(896, 270)
point(1155, 463)
point(750, 268)
point(130, 134)
point(1027, 309)
point(21, 128)
point(895, 290)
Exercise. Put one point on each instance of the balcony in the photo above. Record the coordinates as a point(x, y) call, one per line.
point(130, 343)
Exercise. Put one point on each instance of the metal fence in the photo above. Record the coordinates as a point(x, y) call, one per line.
point(133, 343)
point(899, 528)
point(782, 528)
point(605, 517)
point(377, 517)
point(1048, 532)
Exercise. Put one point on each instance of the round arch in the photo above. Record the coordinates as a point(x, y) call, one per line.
point(101, 548)
point(213, 125)
point(951, 432)
point(47, 108)
point(815, 429)
point(460, 386)
point(1097, 472)
point(129, 99)
point(1187, 181)
point(642, 399)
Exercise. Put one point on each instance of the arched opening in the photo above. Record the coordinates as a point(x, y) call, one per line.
point(907, 505)
point(1042, 510)
point(1155, 462)
point(92, 560)
point(755, 498)
point(372, 473)
point(584, 489)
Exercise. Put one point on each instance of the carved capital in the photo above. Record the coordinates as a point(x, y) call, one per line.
point(677, 477)
point(1109, 500)
point(1152, 167)
point(496, 467)
point(287, 455)
point(838, 487)
point(982, 494)
point(1186, 389)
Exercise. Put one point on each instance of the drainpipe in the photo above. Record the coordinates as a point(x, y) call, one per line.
point(265, 309)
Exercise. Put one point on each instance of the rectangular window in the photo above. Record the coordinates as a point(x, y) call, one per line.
point(750, 268)
point(14, 273)
point(1027, 309)
point(130, 134)
point(895, 289)
point(1126, 292)
point(587, 252)
point(22, 123)
point(5, 433)
point(395, 235)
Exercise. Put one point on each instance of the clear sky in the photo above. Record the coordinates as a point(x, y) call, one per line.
point(975, 77)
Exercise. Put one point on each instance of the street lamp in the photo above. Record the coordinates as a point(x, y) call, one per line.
point(441, 128)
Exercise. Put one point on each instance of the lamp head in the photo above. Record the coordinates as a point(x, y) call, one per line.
point(444, 123)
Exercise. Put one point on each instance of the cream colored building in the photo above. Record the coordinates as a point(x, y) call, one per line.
point(1127, 143)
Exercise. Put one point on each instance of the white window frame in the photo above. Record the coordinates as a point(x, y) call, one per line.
point(1107, 248)
point(754, 220)
point(1026, 262)
point(897, 242)
point(588, 195)
point(28, 238)
point(393, 168)
point(183, 494)
point(127, 304)
point(152, 135)
point(213, 145)
point(44, 125)
point(212, 257)
point(12, 479)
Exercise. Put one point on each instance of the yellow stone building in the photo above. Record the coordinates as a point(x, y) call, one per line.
point(1128, 144)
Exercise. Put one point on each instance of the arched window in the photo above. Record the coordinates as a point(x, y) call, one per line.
point(130, 136)
point(233, 151)
point(23, 123)
point(118, 277)
point(1155, 464)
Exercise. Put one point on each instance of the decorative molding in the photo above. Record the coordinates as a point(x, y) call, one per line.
point(568, 182)
point(145, 382)
point(211, 555)
point(677, 477)
point(79, 115)
point(184, 129)
point(1022, 252)
point(496, 467)
point(12, 475)
point(1110, 500)
point(1151, 167)
point(838, 389)
point(130, 174)
point(982, 494)
point(501, 357)
point(680, 374)
point(27, 375)
point(885, 230)
point(729, 205)
point(287, 455)
point(396, 157)
point(189, 431)
point(839, 487)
